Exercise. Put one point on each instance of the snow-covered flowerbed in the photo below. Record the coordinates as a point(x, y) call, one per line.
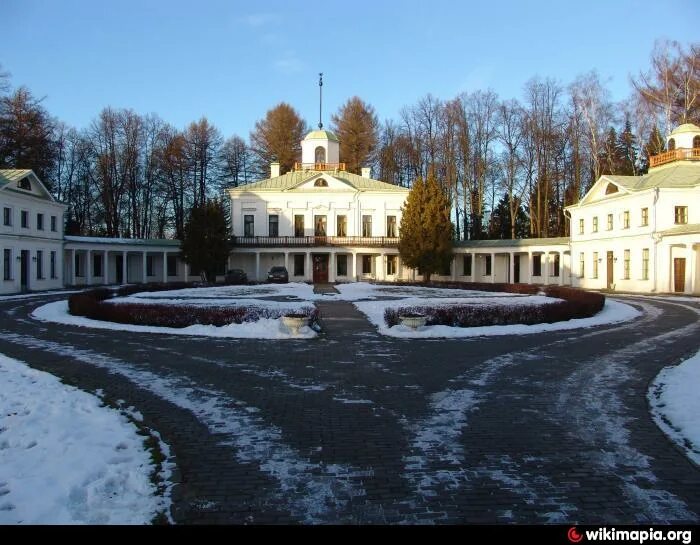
point(265, 328)
point(675, 404)
point(67, 459)
point(375, 311)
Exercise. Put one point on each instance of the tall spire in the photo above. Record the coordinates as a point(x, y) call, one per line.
point(320, 100)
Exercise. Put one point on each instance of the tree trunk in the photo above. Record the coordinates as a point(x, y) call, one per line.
point(426, 277)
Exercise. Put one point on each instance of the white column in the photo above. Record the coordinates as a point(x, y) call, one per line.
point(72, 267)
point(561, 268)
point(331, 267)
point(88, 268)
point(689, 268)
point(353, 266)
point(545, 267)
point(105, 267)
point(286, 263)
point(382, 265)
point(186, 272)
point(493, 268)
point(124, 267)
point(454, 266)
point(165, 267)
point(473, 271)
point(308, 270)
point(511, 268)
point(529, 267)
point(144, 277)
point(257, 266)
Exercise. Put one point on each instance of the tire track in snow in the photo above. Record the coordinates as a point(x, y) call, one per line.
point(436, 439)
point(314, 493)
point(591, 400)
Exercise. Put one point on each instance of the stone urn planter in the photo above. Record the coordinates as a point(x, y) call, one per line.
point(294, 322)
point(414, 321)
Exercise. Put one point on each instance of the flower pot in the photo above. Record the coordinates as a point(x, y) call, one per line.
point(413, 321)
point(294, 322)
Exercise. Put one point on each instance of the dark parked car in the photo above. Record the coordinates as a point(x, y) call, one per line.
point(278, 274)
point(236, 276)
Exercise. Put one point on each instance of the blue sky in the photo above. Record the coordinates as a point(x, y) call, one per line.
point(233, 60)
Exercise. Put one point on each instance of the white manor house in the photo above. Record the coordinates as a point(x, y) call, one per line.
point(324, 224)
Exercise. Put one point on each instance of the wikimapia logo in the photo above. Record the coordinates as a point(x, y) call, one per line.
point(633, 536)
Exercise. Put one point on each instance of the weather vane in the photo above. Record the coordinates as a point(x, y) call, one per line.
point(320, 100)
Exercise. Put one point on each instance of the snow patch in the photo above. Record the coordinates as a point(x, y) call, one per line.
point(65, 458)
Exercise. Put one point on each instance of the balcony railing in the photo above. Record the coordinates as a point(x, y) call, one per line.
point(333, 167)
point(680, 154)
point(272, 242)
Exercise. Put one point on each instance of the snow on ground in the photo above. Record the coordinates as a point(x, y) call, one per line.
point(65, 458)
point(613, 312)
point(36, 294)
point(265, 328)
point(675, 404)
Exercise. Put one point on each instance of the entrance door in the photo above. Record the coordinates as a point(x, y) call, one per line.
point(321, 269)
point(610, 270)
point(119, 260)
point(679, 274)
point(516, 269)
point(24, 270)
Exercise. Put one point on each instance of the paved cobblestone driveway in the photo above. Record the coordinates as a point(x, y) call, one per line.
point(357, 428)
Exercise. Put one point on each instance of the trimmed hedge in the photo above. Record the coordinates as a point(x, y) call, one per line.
point(95, 304)
point(575, 304)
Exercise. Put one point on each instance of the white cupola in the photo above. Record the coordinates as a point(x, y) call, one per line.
point(320, 146)
point(686, 136)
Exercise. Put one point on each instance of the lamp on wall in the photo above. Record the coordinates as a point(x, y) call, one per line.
point(615, 259)
point(19, 258)
point(33, 258)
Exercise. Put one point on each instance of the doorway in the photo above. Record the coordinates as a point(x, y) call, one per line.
point(516, 269)
point(611, 275)
point(119, 260)
point(679, 274)
point(320, 269)
point(24, 270)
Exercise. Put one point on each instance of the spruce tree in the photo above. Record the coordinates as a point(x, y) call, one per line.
point(205, 243)
point(425, 236)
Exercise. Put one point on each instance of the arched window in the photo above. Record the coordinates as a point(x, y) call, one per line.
point(320, 183)
point(320, 154)
point(611, 188)
point(671, 144)
point(24, 183)
point(696, 142)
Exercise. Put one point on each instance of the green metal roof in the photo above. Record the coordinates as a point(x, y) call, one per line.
point(321, 135)
point(686, 127)
point(680, 174)
point(518, 242)
point(291, 180)
point(690, 229)
point(12, 175)
point(123, 241)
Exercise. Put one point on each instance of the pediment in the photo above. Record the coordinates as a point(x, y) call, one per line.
point(604, 188)
point(323, 182)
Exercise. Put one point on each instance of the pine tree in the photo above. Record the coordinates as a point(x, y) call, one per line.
point(500, 223)
point(205, 243)
point(627, 151)
point(425, 237)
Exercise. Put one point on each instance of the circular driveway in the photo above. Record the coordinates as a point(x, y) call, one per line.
point(354, 427)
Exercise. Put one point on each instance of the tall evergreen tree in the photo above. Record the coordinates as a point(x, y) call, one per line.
point(627, 151)
point(426, 233)
point(357, 127)
point(654, 145)
point(501, 225)
point(205, 244)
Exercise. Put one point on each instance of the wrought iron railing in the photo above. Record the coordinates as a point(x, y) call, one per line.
point(267, 242)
